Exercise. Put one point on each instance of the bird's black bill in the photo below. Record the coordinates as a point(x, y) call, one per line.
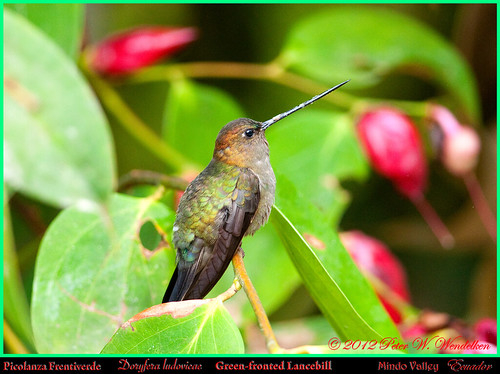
point(275, 119)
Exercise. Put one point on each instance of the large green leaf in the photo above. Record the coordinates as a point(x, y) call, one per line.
point(329, 274)
point(92, 274)
point(317, 149)
point(63, 23)
point(194, 326)
point(57, 144)
point(194, 114)
point(362, 43)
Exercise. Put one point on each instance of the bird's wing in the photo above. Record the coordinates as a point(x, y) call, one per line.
point(196, 280)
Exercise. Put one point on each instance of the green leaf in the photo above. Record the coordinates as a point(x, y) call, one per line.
point(317, 149)
point(340, 291)
point(63, 23)
point(361, 43)
point(93, 273)
point(194, 115)
point(186, 327)
point(57, 144)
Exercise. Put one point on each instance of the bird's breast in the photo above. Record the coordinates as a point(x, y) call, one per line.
point(267, 189)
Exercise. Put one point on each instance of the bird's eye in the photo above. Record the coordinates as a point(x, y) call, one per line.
point(249, 133)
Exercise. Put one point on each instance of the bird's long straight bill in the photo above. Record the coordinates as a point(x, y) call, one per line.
point(275, 119)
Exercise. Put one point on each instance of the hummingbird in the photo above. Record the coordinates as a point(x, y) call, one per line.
point(231, 198)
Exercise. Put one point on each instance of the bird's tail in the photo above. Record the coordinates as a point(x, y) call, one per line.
point(170, 289)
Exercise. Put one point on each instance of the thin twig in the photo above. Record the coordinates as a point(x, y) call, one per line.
point(434, 221)
point(242, 276)
point(262, 319)
point(136, 177)
point(481, 204)
point(231, 291)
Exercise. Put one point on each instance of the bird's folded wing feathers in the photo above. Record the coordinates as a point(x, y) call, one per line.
point(198, 279)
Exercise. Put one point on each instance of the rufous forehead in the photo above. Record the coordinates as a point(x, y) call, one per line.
point(232, 132)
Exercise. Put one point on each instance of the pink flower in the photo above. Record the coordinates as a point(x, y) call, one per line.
point(460, 145)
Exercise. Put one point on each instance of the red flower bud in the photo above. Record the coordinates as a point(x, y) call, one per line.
point(460, 145)
point(394, 149)
point(374, 259)
point(134, 49)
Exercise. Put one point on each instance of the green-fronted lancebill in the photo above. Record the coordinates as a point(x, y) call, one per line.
point(231, 198)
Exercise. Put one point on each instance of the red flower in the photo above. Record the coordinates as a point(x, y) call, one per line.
point(394, 149)
point(134, 49)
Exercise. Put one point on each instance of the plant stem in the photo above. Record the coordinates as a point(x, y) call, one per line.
point(237, 70)
point(135, 177)
point(481, 204)
point(243, 278)
point(231, 291)
point(244, 282)
point(12, 342)
point(272, 72)
point(435, 223)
